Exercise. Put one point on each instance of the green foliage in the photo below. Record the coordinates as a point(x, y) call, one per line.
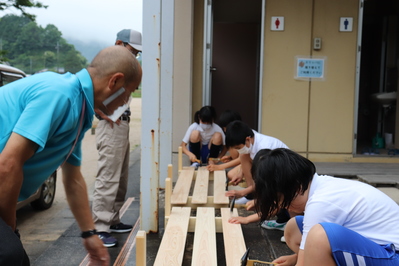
point(21, 5)
point(33, 48)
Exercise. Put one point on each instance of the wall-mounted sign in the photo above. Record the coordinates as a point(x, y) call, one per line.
point(345, 24)
point(277, 24)
point(309, 68)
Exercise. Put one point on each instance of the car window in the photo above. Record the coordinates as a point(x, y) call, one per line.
point(9, 74)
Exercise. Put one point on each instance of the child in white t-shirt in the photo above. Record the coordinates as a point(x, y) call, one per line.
point(345, 222)
point(204, 139)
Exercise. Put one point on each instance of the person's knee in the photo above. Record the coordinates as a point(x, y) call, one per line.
point(217, 139)
point(195, 136)
point(292, 235)
point(317, 238)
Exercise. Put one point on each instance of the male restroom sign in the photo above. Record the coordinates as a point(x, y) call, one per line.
point(345, 24)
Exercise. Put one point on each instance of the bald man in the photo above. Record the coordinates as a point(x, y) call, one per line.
point(43, 119)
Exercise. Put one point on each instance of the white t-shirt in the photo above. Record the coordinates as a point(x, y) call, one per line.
point(265, 142)
point(205, 135)
point(354, 205)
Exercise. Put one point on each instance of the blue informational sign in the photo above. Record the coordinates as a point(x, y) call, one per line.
point(309, 68)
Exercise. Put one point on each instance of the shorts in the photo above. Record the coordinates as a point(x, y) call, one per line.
point(204, 153)
point(350, 248)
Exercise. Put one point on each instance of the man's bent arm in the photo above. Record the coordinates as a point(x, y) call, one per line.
point(17, 150)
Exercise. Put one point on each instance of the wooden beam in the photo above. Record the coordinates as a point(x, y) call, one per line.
point(204, 248)
point(182, 187)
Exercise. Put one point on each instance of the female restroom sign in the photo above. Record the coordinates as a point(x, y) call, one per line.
point(277, 24)
point(309, 68)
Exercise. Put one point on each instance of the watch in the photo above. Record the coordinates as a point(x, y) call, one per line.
point(89, 233)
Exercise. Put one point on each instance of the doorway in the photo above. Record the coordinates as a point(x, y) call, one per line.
point(236, 58)
point(378, 74)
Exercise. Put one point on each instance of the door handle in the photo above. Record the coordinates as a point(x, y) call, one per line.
point(212, 69)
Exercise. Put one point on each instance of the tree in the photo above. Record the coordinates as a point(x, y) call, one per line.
point(21, 5)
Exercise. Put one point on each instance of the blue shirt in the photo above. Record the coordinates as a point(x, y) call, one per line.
point(46, 109)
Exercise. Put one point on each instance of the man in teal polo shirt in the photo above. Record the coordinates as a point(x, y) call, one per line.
point(43, 119)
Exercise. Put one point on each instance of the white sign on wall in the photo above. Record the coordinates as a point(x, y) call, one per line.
point(345, 24)
point(277, 24)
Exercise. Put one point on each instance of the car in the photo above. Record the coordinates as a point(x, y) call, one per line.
point(43, 198)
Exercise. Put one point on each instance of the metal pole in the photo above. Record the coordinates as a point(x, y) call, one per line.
point(150, 115)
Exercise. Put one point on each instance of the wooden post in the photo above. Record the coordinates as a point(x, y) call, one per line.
point(180, 160)
point(141, 248)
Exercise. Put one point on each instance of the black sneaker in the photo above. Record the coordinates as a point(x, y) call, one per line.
point(108, 240)
point(121, 228)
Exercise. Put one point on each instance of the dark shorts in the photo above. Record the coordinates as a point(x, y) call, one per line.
point(350, 248)
point(204, 153)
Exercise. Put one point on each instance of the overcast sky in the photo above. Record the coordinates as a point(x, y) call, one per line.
point(89, 20)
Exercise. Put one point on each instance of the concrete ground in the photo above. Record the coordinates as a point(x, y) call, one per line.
point(52, 237)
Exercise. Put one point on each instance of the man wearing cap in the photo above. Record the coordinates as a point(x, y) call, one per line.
point(113, 147)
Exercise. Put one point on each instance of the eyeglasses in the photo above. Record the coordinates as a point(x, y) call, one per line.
point(132, 49)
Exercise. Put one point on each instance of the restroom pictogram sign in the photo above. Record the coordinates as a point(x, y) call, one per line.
point(277, 24)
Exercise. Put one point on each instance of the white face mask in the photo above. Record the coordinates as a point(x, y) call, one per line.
point(245, 149)
point(205, 127)
point(121, 109)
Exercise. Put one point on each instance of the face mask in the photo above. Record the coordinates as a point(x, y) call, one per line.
point(245, 149)
point(205, 127)
point(121, 109)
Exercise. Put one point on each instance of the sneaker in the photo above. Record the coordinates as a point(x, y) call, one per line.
point(195, 165)
point(121, 228)
point(108, 240)
point(272, 224)
point(282, 239)
point(242, 200)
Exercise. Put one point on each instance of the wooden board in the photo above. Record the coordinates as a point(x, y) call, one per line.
point(219, 188)
point(200, 192)
point(171, 250)
point(204, 249)
point(234, 244)
point(182, 187)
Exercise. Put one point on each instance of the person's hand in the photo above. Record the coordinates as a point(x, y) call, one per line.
point(250, 205)
point(238, 220)
point(289, 260)
point(236, 180)
point(193, 158)
point(98, 254)
point(104, 117)
point(234, 193)
point(213, 167)
point(226, 159)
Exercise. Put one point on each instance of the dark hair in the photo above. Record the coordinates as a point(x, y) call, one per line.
point(207, 114)
point(279, 176)
point(228, 116)
point(237, 132)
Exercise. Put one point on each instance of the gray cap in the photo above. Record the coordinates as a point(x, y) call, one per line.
point(132, 37)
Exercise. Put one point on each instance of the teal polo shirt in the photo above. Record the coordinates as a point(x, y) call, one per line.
point(46, 108)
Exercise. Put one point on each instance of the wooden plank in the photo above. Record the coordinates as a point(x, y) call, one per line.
point(182, 187)
point(141, 248)
point(204, 248)
point(173, 242)
point(200, 192)
point(219, 187)
point(234, 243)
point(193, 221)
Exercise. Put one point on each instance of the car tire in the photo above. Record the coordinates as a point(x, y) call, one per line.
point(47, 194)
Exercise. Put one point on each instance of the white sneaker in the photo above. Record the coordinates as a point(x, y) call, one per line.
point(242, 200)
point(272, 224)
point(282, 239)
point(195, 165)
